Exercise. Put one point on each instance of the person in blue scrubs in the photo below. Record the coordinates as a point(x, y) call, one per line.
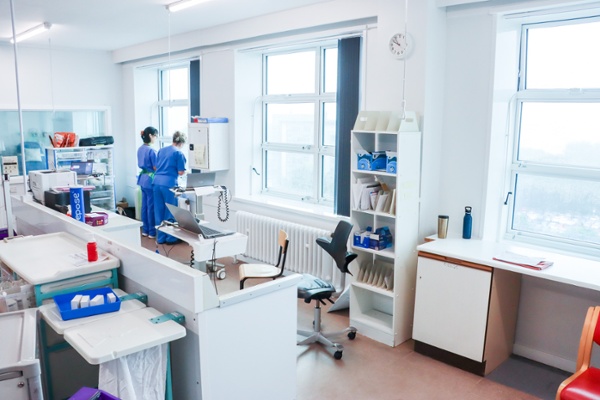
point(170, 164)
point(146, 158)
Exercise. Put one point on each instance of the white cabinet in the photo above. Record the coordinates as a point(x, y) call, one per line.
point(382, 295)
point(208, 146)
point(102, 174)
point(465, 313)
point(451, 307)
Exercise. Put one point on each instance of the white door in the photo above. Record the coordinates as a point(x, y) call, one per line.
point(451, 307)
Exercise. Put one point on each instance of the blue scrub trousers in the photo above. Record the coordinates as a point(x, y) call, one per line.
point(148, 225)
point(162, 196)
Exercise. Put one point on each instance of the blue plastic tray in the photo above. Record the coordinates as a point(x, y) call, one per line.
point(63, 302)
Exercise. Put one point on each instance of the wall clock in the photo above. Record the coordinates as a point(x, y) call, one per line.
point(399, 45)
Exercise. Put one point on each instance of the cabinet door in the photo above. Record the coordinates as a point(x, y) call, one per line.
point(451, 307)
point(198, 146)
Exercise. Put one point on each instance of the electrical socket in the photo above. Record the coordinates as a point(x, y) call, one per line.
point(10, 165)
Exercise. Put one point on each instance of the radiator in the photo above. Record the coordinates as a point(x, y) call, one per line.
point(304, 256)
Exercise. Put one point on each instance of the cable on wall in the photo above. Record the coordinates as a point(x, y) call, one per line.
point(404, 61)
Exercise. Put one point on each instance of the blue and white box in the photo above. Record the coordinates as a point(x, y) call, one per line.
point(371, 161)
point(391, 162)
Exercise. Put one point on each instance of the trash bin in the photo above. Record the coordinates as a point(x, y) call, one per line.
point(20, 373)
point(86, 393)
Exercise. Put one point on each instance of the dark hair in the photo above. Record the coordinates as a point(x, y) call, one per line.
point(146, 133)
point(179, 137)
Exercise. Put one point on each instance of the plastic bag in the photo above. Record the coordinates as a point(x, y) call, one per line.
point(138, 376)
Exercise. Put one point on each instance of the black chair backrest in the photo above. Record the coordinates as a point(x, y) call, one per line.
point(336, 247)
point(283, 247)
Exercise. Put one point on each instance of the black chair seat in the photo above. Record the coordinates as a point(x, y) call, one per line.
point(312, 288)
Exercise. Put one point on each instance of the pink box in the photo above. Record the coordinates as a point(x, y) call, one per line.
point(96, 218)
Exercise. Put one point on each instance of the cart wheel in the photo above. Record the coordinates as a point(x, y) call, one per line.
point(337, 355)
point(351, 335)
point(221, 274)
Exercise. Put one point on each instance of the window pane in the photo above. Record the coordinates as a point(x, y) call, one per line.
point(292, 123)
point(557, 208)
point(175, 84)
point(563, 56)
point(328, 177)
point(329, 121)
point(290, 173)
point(560, 134)
point(330, 67)
point(291, 73)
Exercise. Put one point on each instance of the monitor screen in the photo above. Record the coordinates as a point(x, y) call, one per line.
point(82, 167)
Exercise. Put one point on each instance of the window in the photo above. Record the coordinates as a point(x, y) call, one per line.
point(40, 125)
point(299, 123)
point(555, 168)
point(173, 104)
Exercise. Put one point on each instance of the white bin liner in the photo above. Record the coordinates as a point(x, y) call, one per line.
point(138, 376)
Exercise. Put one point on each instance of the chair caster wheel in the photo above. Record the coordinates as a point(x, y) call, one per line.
point(221, 274)
point(351, 335)
point(337, 355)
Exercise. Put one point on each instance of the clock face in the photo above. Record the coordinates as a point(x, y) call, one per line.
point(398, 45)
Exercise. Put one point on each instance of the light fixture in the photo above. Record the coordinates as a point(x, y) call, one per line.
point(32, 32)
point(183, 4)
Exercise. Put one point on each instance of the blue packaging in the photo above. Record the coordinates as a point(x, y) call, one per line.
point(391, 162)
point(371, 161)
point(77, 203)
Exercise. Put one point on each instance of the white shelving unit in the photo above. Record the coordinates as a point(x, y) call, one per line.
point(102, 178)
point(382, 296)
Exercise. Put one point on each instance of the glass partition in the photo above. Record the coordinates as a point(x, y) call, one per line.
point(39, 126)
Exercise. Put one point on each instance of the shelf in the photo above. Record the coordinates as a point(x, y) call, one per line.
point(374, 289)
point(377, 172)
point(389, 252)
point(375, 213)
point(376, 319)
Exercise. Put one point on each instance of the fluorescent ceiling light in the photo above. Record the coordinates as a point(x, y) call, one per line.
point(183, 4)
point(36, 30)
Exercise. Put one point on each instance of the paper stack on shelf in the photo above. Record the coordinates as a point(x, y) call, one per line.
point(380, 274)
point(537, 263)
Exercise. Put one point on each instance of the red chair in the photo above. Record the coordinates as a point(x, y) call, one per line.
point(584, 384)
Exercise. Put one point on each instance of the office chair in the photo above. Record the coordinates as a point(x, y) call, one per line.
point(585, 382)
point(313, 288)
point(249, 271)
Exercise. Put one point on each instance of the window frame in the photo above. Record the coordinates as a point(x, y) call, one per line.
point(164, 101)
point(318, 98)
point(516, 167)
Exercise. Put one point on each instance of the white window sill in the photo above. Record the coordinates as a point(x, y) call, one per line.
point(290, 206)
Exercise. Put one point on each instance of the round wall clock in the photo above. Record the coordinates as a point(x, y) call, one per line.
point(399, 45)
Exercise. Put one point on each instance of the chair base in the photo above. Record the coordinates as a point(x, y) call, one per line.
point(317, 336)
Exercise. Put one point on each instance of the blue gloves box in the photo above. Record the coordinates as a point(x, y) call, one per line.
point(381, 239)
point(371, 161)
point(363, 238)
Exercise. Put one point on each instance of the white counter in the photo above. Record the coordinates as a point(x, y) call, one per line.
point(36, 217)
point(566, 269)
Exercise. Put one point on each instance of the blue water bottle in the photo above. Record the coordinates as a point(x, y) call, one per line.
point(467, 223)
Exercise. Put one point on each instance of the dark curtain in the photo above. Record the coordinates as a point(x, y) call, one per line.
point(194, 88)
point(347, 110)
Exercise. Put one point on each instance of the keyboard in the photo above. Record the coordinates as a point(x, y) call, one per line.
point(210, 233)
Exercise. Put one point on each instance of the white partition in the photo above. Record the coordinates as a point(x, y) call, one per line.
point(246, 335)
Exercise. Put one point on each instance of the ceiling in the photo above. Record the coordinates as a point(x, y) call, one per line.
point(114, 24)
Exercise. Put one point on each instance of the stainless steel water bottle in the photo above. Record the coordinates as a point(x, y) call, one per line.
point(467, 223)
